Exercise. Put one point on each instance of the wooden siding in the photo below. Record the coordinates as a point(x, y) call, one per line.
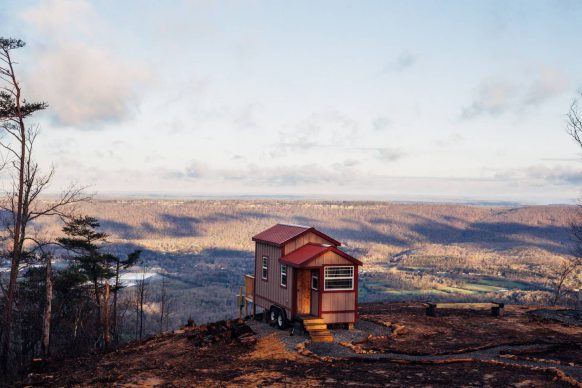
point(269, 292)
point(338, 301)
point(329, 258)
point(338, 317)
point(301, 241)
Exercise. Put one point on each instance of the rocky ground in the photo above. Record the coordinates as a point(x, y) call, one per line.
point(394, 344)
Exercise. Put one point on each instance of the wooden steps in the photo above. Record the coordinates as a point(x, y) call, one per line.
point(317, 330)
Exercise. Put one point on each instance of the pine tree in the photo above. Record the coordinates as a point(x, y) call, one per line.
point(85, 243)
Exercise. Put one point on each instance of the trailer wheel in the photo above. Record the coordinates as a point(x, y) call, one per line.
point(273, 314)
point(281, 320)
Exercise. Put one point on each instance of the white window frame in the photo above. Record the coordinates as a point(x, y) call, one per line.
point(265, 268)
point(326, 277)
point(281, 277)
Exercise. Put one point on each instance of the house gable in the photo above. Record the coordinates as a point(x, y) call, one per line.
point(290, 237)
point(316, 255)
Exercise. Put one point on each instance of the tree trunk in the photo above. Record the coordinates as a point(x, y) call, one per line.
point(97, 305)
point(141, 296)
point(106, 316)
point(137, 316)
point(46, 323)
point(16, 253)
point(163, 303)
point(115, 290)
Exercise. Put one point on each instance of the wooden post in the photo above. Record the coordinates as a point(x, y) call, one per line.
point(497, 311)
point(240, 303)
point(431, 309)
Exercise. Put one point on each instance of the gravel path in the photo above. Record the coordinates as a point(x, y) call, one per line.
point(291, 338)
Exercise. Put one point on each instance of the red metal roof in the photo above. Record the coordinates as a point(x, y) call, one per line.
point(283, 233)
point(301, 256)
point(280, 233)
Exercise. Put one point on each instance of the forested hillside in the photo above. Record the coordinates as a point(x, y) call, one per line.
point(410, 251)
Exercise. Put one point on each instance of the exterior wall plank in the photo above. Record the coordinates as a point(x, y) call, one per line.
point(269, 292)
point(338, 301)
point(338, 318)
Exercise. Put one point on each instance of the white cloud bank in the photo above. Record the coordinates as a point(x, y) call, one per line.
point(496, 96)
point(85, 84)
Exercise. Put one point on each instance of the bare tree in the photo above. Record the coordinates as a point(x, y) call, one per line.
point(574, 121)
point(141, 294)
point(106, 337)
point(119, 265)
point(572, 265)
point(47, 313)
point(168, 309)
point(28, 182)
point(163, 297)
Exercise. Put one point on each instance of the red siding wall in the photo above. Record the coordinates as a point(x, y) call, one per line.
point(269, 292)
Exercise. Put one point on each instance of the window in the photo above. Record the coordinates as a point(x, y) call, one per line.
point(315, 279)
point(339, 278)
point(265, 270)
point(284, 275)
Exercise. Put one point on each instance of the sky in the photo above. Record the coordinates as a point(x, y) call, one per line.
point(390, 100)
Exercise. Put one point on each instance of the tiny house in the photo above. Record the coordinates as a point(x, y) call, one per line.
point(301, 273)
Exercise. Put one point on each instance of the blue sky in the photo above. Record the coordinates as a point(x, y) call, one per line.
point(410, 100)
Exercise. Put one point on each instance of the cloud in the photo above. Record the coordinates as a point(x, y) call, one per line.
point(85, 85)
point(390, 154)
point(496, 96)
point(556, 175)
point(381, 122)
point(258, 175)
point(550, 83)
point(543, 175)
point(450, 140)
point(319, 130)
point(403, 61)
point(493, 97)
point(246, 118)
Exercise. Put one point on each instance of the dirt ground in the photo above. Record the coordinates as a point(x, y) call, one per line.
point(460, 331)
point(434, 352)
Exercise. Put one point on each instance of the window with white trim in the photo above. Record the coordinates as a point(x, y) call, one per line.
point(315, 279)
point(265, 268)
point(339, 278)
point(284, 275)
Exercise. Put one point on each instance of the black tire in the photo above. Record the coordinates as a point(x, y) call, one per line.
point(281, 320)
point(273, 314)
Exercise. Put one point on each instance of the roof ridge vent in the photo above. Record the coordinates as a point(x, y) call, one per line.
point(296, 225)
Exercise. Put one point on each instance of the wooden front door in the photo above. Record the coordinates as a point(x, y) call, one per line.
point(303, 292)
